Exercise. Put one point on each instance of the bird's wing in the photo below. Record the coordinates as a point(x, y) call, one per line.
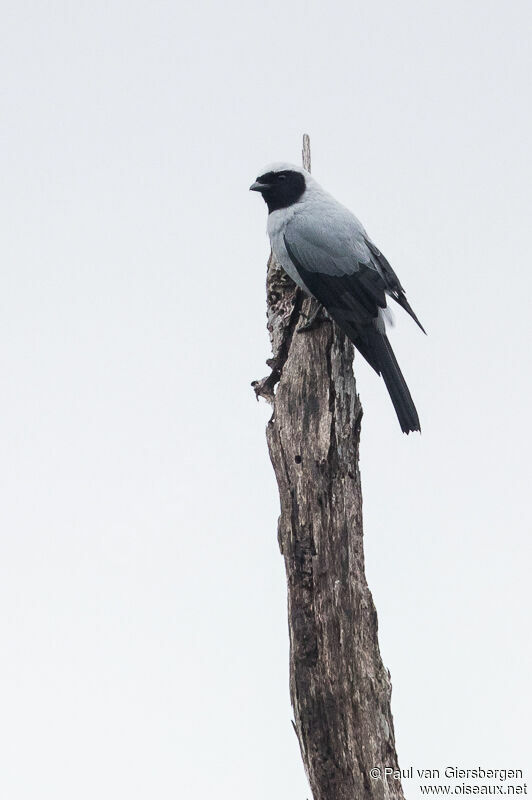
point(337, 266)
point(348, 275)
point(393, 284)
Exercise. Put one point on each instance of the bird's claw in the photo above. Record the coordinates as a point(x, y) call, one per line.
point(314, 319)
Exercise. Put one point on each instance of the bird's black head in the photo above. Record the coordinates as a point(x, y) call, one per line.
point(280, 188)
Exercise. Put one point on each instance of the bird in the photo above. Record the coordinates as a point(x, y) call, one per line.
point(326, 251)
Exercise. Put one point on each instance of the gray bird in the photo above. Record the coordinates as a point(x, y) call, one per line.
point(324, 248)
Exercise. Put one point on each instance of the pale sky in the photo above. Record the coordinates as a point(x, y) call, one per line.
point(143, 628)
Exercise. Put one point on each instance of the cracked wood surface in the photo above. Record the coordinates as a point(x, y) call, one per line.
point(339, 687)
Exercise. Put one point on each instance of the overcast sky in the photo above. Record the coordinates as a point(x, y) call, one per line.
point(143, 631)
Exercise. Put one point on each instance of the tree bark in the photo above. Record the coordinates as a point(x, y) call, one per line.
point(339, 687)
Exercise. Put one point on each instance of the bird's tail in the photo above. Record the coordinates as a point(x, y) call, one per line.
point(378, 351)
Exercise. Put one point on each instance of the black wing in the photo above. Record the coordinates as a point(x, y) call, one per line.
point(352, 299)
point(394, 287)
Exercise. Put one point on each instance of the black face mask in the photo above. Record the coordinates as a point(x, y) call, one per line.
point(280, 189)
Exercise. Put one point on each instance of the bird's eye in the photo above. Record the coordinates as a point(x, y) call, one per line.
point(281, 177)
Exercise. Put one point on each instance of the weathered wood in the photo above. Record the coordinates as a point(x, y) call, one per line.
point(339, 688)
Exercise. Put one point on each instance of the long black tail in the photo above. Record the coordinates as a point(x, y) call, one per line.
point(377, 350)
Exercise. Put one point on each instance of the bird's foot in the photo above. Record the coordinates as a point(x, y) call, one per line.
point(314, 319)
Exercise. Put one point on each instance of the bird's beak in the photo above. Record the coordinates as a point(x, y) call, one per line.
point(258, 187)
